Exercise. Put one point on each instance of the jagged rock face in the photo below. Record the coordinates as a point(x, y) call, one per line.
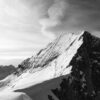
point(80, 53)
point(84, 81)
point(53, 50)
point(25, 64)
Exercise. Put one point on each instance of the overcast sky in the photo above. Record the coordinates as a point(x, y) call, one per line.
point(28, 25)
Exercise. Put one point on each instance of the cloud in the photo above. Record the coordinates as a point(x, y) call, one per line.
point(20, 35)
point(55, 14)
point(29, 24)
point(79, 15)
point(66, 15)
point(50, 13)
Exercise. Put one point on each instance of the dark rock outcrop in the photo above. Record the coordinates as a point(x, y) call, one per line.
point(84, 81)
point(81, 53)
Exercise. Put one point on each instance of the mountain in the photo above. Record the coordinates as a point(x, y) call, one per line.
point(6, 70)
point(67, 69)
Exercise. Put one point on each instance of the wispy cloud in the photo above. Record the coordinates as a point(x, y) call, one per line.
point(80, 15)
point(20, 32)
point(28, 25)
point(67, 15)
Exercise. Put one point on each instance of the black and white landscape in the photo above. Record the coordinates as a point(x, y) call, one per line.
point(49, 49)
point(67, 69)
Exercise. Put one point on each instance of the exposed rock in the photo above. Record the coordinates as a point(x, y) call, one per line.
point(84, 81)
point(67, 69)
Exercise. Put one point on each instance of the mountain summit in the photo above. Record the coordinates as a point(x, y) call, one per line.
point(67, 69)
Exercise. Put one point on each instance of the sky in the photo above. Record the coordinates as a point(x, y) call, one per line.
point(26, 26)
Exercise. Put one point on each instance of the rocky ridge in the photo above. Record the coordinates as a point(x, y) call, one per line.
point(75, 58)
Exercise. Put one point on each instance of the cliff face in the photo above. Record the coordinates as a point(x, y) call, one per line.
point(67, 69)
point(84, 80)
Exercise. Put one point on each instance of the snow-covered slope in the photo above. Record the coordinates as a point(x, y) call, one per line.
point(14, 96)
point(68, 57)
point(50, 63)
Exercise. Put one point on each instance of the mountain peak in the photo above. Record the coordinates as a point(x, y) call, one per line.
point(75, 58)
point(54, 49)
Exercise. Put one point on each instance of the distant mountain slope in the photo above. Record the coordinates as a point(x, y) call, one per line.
point(6, 70)
point(67, 69)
